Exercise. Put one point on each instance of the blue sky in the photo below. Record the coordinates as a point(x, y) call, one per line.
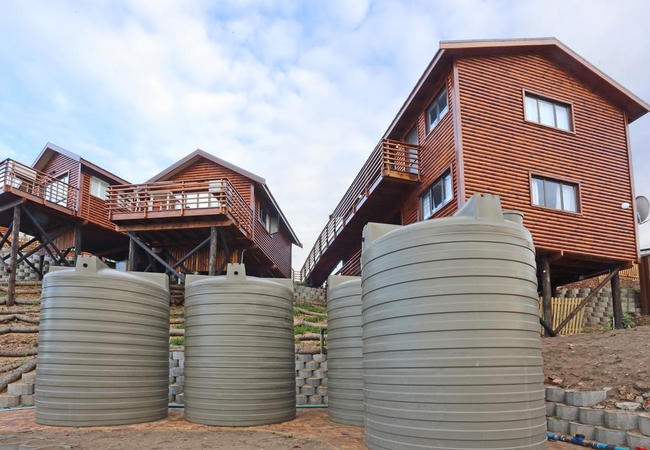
point(296, 92)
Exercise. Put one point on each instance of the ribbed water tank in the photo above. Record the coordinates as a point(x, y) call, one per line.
point(345, 358)
point(239, 350)
point(103, 346)
point(451, 336)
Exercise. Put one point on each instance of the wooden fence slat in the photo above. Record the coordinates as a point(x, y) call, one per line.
point(562, 307)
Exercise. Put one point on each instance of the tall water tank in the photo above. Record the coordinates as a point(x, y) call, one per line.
point(451, 342)
point(239, 350)
point(103, 347)
point(345, 358)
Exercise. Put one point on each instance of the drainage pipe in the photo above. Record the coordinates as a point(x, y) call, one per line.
point(579, 439)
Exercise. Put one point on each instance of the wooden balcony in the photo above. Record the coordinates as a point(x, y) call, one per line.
point(391, 166)
point(31, 185)
point(165, 201)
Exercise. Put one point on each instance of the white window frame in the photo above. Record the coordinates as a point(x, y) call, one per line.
point(271, 223)
point(562, 184)
point(440, 110)
point(534, 115)
point(98, 187)
point(427, 206)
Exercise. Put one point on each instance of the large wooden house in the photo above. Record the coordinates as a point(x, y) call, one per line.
point(528, 120)
point(60, 203)
point(199, 214)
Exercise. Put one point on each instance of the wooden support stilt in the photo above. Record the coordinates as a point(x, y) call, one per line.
point(77, 243)
point(41, 266)
point(547, 306)
point(13, 261)
point(212, 268)
point(133, 255)
point(616, 301)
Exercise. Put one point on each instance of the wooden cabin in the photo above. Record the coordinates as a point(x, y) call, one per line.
point(199, 214)
point(528, 120)
point(60, 201)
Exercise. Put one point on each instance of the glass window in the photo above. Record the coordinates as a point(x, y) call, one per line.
point(98, 188)
point(57, 190)
point(438, 195)
point(554, 194)
point(437, 110)
point(547, 112)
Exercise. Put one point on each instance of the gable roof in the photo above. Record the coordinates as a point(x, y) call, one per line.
point(259, 181)
point(51, 149)
point(550, 47)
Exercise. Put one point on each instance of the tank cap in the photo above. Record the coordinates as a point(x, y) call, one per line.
point(515, 216)
point(482, 207)
point(89, 264)
point(236, 272)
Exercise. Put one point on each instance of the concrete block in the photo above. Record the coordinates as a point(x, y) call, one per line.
point(550, 409)
point(20, 389)
point(27, 400)
point(300, 381)
point(313, 381)
point(181, 363)
point(320, 373)
point(323, 365)
point(326, 400)
point(584, 398)
point(173, 363)
point(319, 357)
point(324, 382)
point(172, 380)
point(304, 358)
point(28, 378)
point(320, 390)
point(644, 424)
point(607, 436)
point(621, 421)
point(178, 355)
point(315, 399)
point(180, 380)
point(555, 394)
point(297, 390)
point(170, 398)
point(301, 399)
point(635, 439)
point(300, 365)
point(304, 373)
point(588, 431)
point(8, 401)
point(180, 398)
point(312, 365)
point(308, 390)
point(590, 416)
point(566, 412)
point(557, 425)
point(175, 389)
point(177, 371)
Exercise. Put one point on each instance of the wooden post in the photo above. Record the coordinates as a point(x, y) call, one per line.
point(616, 301)
point(133, 255)
point(77, 244)
point(13, 261)
point(214, 234)
point(41, 265)
point(547, 306)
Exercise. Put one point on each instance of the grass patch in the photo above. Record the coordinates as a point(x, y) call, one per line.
point(313, 319)
point(177, 316)
point(597, 330)
point(312, 308)
point(179, 326)
point(177, 340)
point(302, 329)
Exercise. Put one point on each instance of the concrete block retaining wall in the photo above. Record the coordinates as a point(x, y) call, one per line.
point(311, 378)
point(599, 309)
point(24, 272)
point(302, 292)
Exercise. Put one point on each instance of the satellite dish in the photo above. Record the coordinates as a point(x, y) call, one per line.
point(642, 208)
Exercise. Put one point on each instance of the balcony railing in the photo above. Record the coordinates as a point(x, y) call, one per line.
point(15, 176)
point(179, 198)
point(391, 160)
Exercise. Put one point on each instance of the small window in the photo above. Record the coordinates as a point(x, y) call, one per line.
point(271, 223)
point(437, 110)
point(548, 112)
point(98, 188)
point(554, 194)
point(438, 195)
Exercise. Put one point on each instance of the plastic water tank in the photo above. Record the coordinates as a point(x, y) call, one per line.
point(345, 358)
point(239, 350)
point(451, 342)
point(103, 348)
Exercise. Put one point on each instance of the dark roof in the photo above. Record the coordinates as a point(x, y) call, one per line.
point(552, 48)
point(50, 149)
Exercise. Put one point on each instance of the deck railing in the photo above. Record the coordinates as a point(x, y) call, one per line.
point(390, 159)
point(15, 176)
point(179, 197)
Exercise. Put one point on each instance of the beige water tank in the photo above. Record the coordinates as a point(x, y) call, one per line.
point(451, 343)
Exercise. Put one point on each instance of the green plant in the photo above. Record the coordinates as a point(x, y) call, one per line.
point(302, 329)
point(35, 343)
point(313, 319)
point(312, 308)
point(179, 326)
point(627, 321)
point(177, 316)
point(178, 340)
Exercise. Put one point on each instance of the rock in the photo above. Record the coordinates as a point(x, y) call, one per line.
point(646, 405)
point(628, 406)
point(638, 399)
point(646, 394)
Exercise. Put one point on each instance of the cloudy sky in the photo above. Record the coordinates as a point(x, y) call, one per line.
point(298, 92)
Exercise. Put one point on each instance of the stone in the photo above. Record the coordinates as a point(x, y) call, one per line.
point(28, 378)
point(628, 406)
point(590, 416)
point(557, 425)
point(324, 382)
point(20, 389)
point(313, 381)
point(312, 365)
point(304, 373)
point(566, 412)
point(27, 400)
point(301, 399)
point(175, 389)
point(180, 380)
point(320, 373)
point(315, 399)
point(639, 399)
point(550, 409)
point(555, 394)
point(635, 440)
point(644, 424)
point(319, 357)
point(320, 390)
point(300, 365)
point(588, 431)
point(176, 371)
point(585, 398)
point(8, 401)
point(304, 358)
point(300, 381)
point(621, 421)
point(323, 365)
point(308, 390)
point(607, 436)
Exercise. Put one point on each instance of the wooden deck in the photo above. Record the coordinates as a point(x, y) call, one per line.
point(392, 168)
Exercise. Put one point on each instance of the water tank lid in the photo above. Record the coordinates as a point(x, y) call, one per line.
point(236, 273)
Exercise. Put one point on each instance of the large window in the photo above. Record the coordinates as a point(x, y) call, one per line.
point(270, 222)
point(437, 110)
point(548, 112)
point(98, 188)
point(438, 195)
point(554, 194)
point(57, 190)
